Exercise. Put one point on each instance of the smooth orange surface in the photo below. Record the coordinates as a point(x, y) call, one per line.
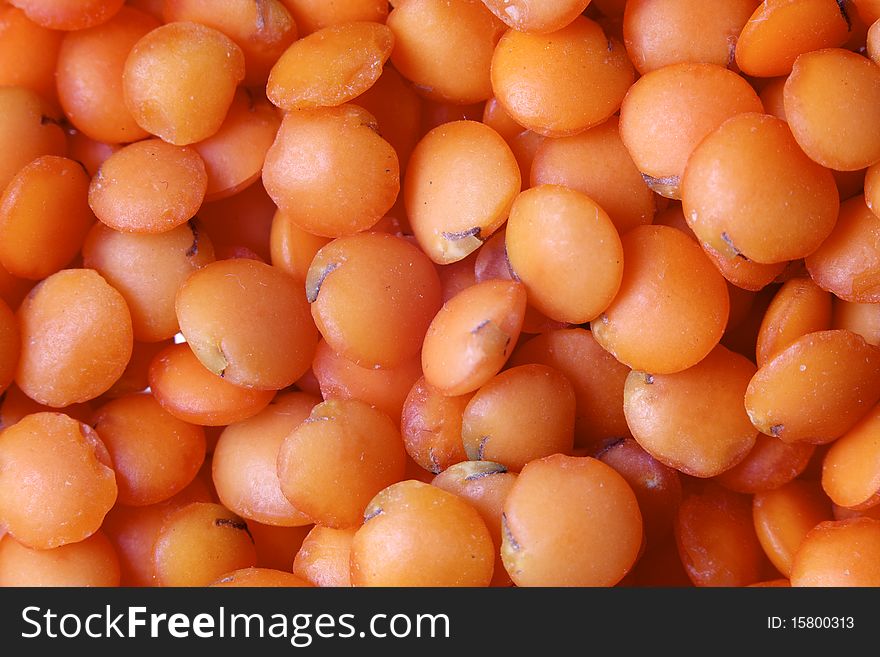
point(415, 534)
point(561, 83)
point(647, 326)
point(329, 67)
point(749, 190)
point(473, 335)
point(591, 538)
point(566, 251)
point(693, 420)
point(76, 337)
point(56, 483)
point(833, 370)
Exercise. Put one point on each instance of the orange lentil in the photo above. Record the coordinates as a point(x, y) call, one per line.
point(485, 485)
point(415, 534)
point(839, 553)
point(780, 30)
point(199, 543)
point(785, 515)
point(312, 15)
point(149, 187)
point(360, 282)
point(473, 335)
point(861, 318)
point(179, 80)
point(154, 454)
point(76, 338)
point(386, 388)
point(657, 487)
point(244, 463)
point(330, 67)
point(431, 426)
point(461, 182)
point(451, 61)
point(594, 535)
point(822, 85)
point(561, 83)
point(90, 562)
point(260, 577)
point(833, 370)
point(647, 326)
point(800, 307)
point(39, 452)
point(717, 540)
point(277, 546)
point(233, 156)
point(750, 157)
point(521, 414)
point(44, 217)
point(269, 350)
point(133, 530)
point(540, 16)
point(323, 559)
point(69, 14)
point(335, 461)
point(28, 129)
point(398, 112)
point(122, 258)
point(771, 463)
point(566, 251)
point(330, 171)
point(657, 34)
point(693, 420)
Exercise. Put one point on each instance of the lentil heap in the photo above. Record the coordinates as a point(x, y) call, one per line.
point(439, 293)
